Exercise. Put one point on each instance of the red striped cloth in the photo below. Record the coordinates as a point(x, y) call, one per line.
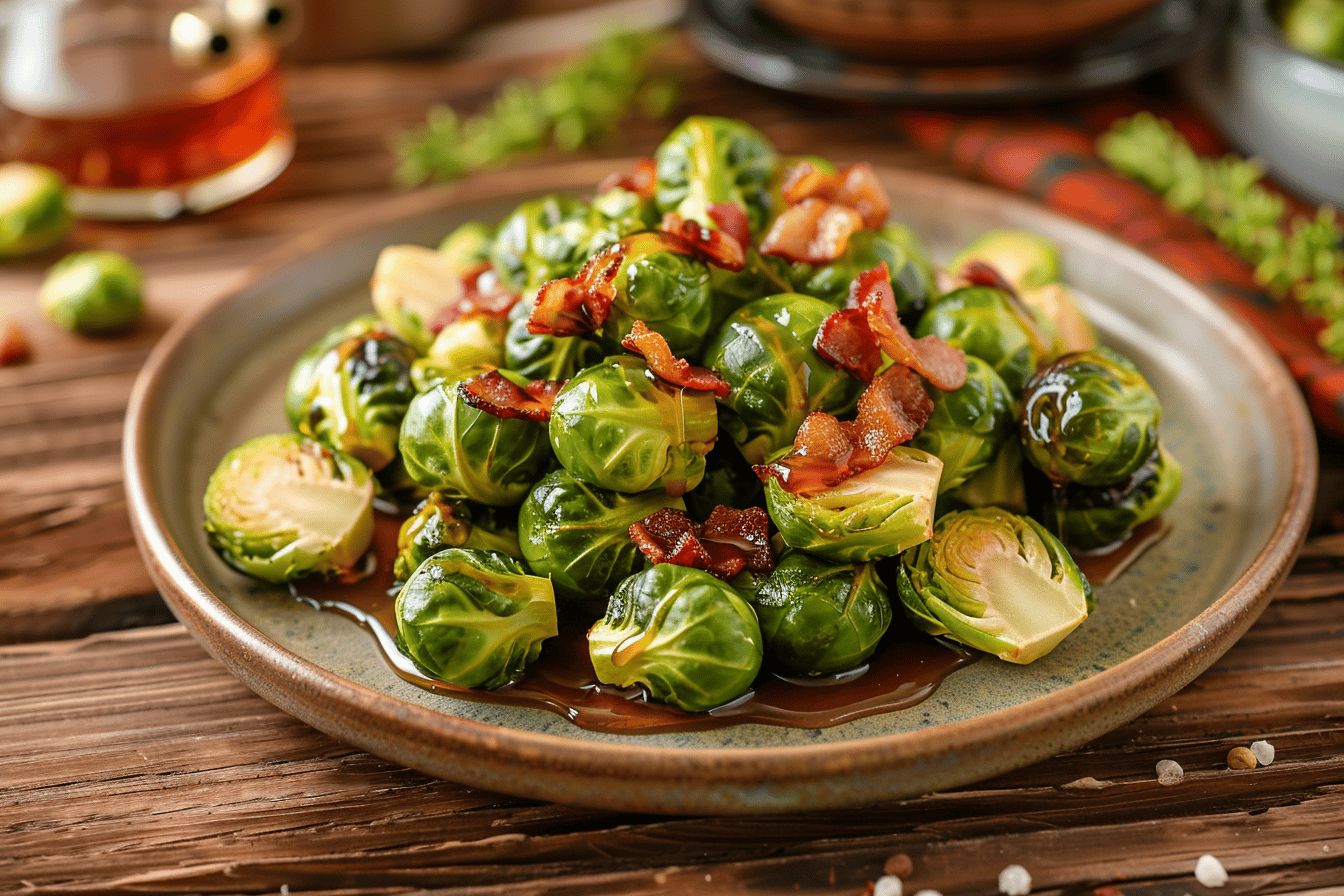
point(1055, 161)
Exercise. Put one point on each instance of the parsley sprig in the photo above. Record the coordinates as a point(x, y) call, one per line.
point(580, 102)
point(1302, 259)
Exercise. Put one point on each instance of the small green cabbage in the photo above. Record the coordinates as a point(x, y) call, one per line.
point(686, 637)
point(281, 507)
point(994, 581)
point(439, 523)
point(912, 277)
point(553, 236)
point(708, 160)
point(619, 427)
point(877, 513)
point(412, 287)
point(466, 343)
point(986, 323)
point(968, 425)
point(474, 618)
point(820, 618)
point(1095, 517)
point(468, 246)
point(545, 357)
point(92, 292)
point(667, 290)
point(1001, 484)
point(728, 481)
point(34, 213)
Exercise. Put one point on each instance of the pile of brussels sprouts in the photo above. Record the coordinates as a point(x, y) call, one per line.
point(520, 519)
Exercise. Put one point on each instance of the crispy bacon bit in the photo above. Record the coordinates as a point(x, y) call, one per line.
point(732, 220)
point(716, 247)
point(483, 295)
point(728, 542)
point(856, 186)
point(14, 347)
point(653, 348)
point(814, 231)
point(827, 451)
point(493, 393)
point(573, 306)
point(642, 179)
point(845, 341)
point(979, 273)
point(931, 357)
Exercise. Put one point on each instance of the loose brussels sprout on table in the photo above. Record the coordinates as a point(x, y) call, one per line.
point(474, 618)
point(92, 292)
point(686, 637)
point(439, 523)
point(33, 210)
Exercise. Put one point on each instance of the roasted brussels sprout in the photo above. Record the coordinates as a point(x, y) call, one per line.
point(475, 341)
point(994, 581)
point(764, 351)
point(474, 618)
point(92, 292)
point(706, 161)
point(352, 396)
point(543, 239)
point(452, 447)
point(877, 513)
point(468, 246)
point(1000, 484)
point(617, 426)
point(617, 213)
point(689, 639)
point(439, 523)
point(304, 371)
point(544, 357)
point(33, 211)
point(895, 244)
point(579, 534)
point(1090, 418)
point(282, 507)
point(667, 290)
point(411, 287)
point(728, 481)
point(820, 618)
point(969, 425)
point(1094, 517)
point(1315, 27)
point(987, 324)
point(764, 275)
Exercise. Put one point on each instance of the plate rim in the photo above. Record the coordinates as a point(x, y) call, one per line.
point(474, 752)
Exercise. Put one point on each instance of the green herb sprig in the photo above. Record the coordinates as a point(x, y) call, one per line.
point(1302, 259)
point(577, 104)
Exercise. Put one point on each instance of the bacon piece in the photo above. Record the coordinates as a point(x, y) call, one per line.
point(856, 186)
point(653, 348)
point(493, 393)
point(642, 179)
point(483, 295)
point(573, 306)
point(732, 220)
point(814, 231)
point(980, 273)
point(845, 341)
point(716, 247)
point(931, 357)
point(729, 541)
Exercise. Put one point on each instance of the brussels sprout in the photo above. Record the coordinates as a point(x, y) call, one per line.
point(33, 210)
point(877, 513)
point(728, 481)
point(1094, 517)
point(439, 523)
point(666, 290)
point(449, 446)
point(708, 160)
point(411, 287)
point(1056, 304)
point(895, 244)
point(352, 396)
point(969, 425)
point(468, 246)
point(475, 341)
point(764, 351)
point(543, 357)
point(764, 275)
point(92, 292)
point(397, 491)
point(474, 618)
point(1090, 418)
point(553, 236)
point(617, 213)
point(820, 618)
point(986, 323)
point(995, 581)
point(282, 507)
point(1001, 484)
point(1315, 27)
point(689, 639)
point(579, 534)
point(1025, 259)
point(617, 426)
point(304, 371)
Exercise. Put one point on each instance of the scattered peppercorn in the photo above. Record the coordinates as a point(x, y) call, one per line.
point(1241, 758)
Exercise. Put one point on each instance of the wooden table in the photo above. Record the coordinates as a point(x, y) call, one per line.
point(130, 762)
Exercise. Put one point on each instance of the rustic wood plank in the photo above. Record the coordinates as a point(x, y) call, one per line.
point(145, 768)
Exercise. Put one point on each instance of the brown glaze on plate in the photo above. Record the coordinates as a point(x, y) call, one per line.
point(1233, 418)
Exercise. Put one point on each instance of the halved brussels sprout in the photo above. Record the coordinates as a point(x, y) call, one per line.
point(352, 396)
point(968, 425)
point(986, 323)
point(667, 290)
point(619, 427)
point(994, 581)
point(579, 534)
point(764, 351)
point(475, 341)
point(1001, 484)
point(474, 618)
point(469, 245)
point(688, 638)
point(544, 357)
point(282, 507)
point(728, 481)
point(820, 618)
point(92, 292)
point(1090, 518)
point(439, 523)
point(708, 160)
point(912, 278)
point(33, 210)
point(1090, 418)
point(411, 287)
point(452, 447)
point(877, 513)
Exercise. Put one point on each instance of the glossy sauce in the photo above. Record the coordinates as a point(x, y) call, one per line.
point(1105, 566)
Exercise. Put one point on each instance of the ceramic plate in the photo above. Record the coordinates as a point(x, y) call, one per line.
point(1232, 416)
